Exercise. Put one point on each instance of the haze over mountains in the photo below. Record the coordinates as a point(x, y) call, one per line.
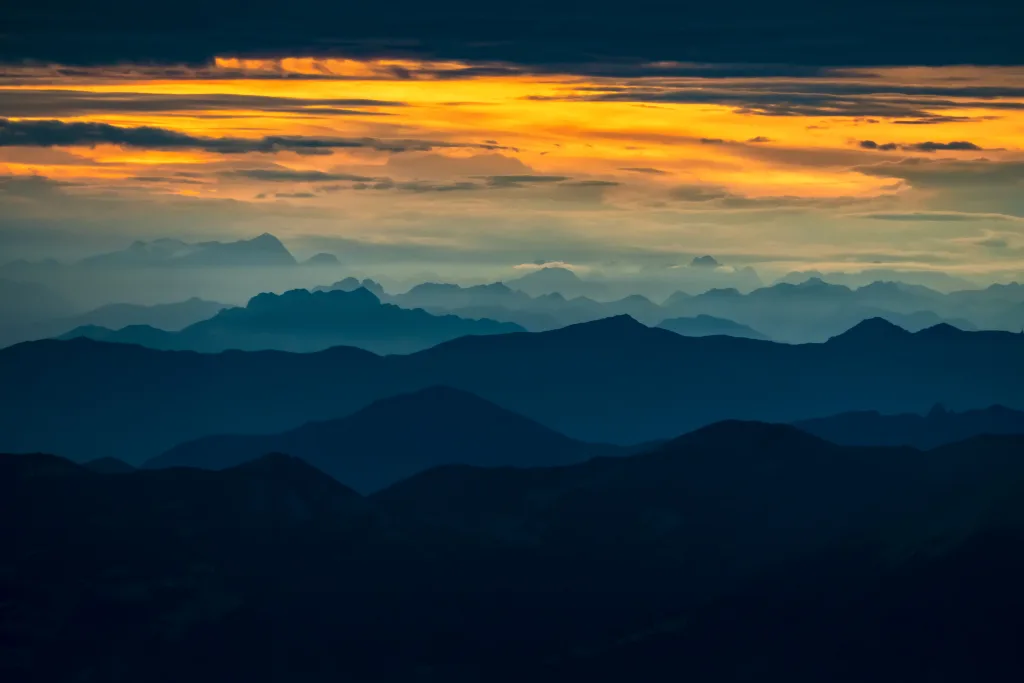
point(803, 307)
point(810, 311)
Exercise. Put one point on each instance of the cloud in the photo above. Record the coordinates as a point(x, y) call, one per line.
point(520, 180)
point(698, 193)
point(67, 103)
point(294, 195)
point(61, 134)
point(871, 144)
point(433, 165)
point(712, 141)
point(540, 265)
point(835, 98)
point(956, 145)
point(591, 183)
point(288, 175)
point(759, 139)
point(645, 169)
point(943, 216)
point(995, 243)
point(949, 173)
point(418, 186)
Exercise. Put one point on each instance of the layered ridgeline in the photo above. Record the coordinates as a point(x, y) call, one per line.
point(756, 550)
point(397, 437)
point(610, 381)
point(304, 321)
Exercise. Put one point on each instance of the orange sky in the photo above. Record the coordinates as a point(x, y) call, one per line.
point(643, 158)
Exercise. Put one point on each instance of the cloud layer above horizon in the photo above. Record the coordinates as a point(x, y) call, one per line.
point(625, 162)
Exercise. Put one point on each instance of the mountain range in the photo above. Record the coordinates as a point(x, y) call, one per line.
point(135, 403)
point(809, 311)
point(303, 321)
point(809, 556)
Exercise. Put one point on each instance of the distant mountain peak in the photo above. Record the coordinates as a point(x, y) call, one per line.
point(322, 259)
point(551, 273)
point(873, 329)
point(266, 238)
point(613, 326)
point(705, 262)
point(738, 434)
point(943, 330)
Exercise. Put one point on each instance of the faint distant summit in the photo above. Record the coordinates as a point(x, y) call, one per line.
point(705, 262)
point(322, 259)
point(557, 279)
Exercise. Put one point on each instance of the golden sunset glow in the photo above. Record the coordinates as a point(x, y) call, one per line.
point(361, 137)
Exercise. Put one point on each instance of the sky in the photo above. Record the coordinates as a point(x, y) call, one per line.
point(788, 138)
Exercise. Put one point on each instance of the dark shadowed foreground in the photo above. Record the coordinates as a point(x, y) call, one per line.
point(740, 552)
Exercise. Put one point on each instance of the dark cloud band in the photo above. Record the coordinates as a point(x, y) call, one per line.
point(63, 134)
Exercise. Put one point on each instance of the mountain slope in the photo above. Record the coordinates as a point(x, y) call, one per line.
point(397, 437)
point(937, 427)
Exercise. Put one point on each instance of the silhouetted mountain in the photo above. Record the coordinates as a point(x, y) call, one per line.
point(322, 259)
point(168, 317)
point(351, 284)
point(134, 403)
point(556, 279)
point(432, 295)
point(705, 262)
point(397, 437)
point(303, 321)
point(265, 250)
point(937, 427)
point(706, 326)
point(732, 485)
point(754, 551)
point(143, 335)
point(109, 466)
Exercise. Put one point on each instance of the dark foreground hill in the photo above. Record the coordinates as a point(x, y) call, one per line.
point(397, 437)
point(610, 381)
point(741, 552)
